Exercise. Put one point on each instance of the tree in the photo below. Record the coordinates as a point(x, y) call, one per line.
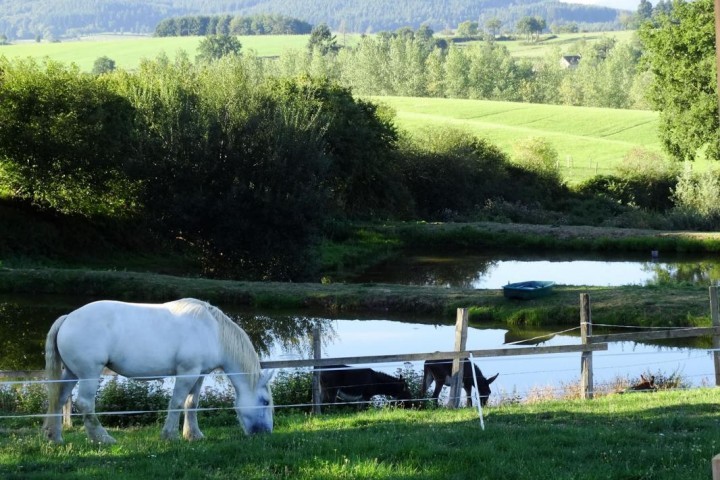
point(103, 65)
point(467, 29)
point(214, 47)
point(493, 25)
point(530, 27)
point(644, 11)
point(680, 53)
point(322, 39)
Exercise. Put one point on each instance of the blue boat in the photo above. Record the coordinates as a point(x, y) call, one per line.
point(528, 290)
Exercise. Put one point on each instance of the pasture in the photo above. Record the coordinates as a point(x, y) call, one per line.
point(566, 42)
point(588, 140)
point(663, 435)
point(129, 50)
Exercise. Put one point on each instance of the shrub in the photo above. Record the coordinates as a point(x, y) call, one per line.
point(698, 194)
point(293, 389)
point(450, 172)
point(121, 395)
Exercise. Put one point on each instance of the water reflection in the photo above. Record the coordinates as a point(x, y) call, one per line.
point(25, 321)
point(493, 270)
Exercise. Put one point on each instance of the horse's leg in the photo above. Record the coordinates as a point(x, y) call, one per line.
point(439, 384)
point(191, 430)
point(183, 385)
point(52, 427)
point(87, 388)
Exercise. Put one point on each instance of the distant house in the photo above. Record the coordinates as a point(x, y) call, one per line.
point(569, 61)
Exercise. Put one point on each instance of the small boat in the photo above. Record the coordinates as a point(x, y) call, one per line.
point(528, 290)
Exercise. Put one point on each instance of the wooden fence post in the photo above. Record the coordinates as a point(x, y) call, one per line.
point(716, 467)
point(586, 371)
point(67, 413)
point(461, 324)
point(317, 354)
point(715, 317)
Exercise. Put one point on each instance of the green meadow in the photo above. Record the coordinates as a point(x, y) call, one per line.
point(128, 51)
point(588, 140)
point(566, 42)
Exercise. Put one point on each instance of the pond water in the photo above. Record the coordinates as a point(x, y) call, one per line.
point(495, 269)
point(24, 321)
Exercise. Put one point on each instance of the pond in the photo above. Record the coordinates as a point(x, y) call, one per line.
point(495, 269)
point(24, 321)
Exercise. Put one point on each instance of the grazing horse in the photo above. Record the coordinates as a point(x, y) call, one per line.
point(187, 338)
point(440, 372)
point(340, 382)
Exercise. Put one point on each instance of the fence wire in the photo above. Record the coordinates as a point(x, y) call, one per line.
point(525, 393)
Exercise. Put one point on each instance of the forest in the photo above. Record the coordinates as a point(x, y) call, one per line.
point(54, 20)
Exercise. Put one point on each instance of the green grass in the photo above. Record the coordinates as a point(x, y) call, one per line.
point(588, 140)
point(567, 42)
point(128, 51)
point(664, 435)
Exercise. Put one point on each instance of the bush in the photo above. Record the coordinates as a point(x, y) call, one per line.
point(121, 395)
point(698, 195)
point(449, 172)
point(293, 389)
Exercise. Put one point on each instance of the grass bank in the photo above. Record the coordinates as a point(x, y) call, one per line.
point(677, 305)
point(664, 435)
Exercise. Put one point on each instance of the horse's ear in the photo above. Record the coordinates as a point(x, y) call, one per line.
point(266, 376)
point(492, 379)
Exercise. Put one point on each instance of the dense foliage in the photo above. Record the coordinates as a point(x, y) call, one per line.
point(680, 51)
point(54, 19)
point(230, 25)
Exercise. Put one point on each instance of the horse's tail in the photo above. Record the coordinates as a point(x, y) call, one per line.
point(53, 366)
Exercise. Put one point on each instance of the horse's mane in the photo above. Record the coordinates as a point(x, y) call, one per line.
point(234, 340)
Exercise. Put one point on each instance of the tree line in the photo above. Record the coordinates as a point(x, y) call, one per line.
point(57, 19)
point(203, 25)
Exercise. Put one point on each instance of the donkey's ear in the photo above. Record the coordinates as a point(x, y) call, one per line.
point(492, 379)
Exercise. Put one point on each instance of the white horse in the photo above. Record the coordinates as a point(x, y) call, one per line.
point(187, 338)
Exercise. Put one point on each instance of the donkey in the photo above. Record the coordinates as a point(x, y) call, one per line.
point(440, 372)
point(346, 384)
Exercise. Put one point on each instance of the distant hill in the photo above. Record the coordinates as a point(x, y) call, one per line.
point(56, 19)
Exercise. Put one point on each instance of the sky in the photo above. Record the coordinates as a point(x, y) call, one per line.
point(622, 4)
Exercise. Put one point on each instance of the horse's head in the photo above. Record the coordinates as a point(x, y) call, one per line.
point(255, 408)
point(484, 386)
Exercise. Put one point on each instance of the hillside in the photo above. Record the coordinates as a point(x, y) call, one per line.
point(58, 19)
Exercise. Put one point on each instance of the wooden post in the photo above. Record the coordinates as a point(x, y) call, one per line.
point(461, 324)
point(586, 372)
point(715, 317)
point(317, 354)
point(716, 467)
point(67, 412)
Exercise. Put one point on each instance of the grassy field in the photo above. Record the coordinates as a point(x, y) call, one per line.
point(128, 51)
point(664, 435)
point(566, 42)
point(588, 140)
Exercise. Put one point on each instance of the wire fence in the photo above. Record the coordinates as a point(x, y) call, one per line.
point(500, 397)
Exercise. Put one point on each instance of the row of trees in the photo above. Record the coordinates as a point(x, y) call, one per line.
point(409, 63)
point(202, 25)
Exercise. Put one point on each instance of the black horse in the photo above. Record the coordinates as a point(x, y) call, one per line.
point(440, 371)
point(347, 384)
